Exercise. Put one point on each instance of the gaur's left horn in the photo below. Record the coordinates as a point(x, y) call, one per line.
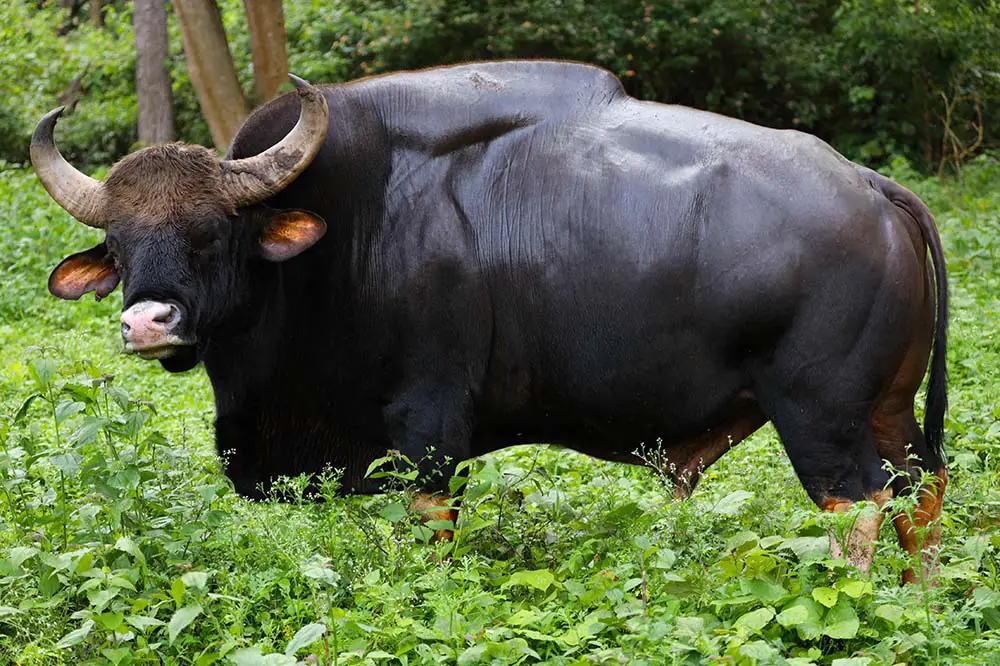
point(253, 179)
point(75, 191)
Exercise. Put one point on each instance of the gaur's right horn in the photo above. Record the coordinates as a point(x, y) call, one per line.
point(253, 179)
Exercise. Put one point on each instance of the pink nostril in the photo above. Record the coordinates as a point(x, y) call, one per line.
point(168, 316)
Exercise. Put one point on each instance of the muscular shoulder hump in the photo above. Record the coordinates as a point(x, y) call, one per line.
point(443, 108)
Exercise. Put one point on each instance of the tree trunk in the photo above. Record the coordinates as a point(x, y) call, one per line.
point(96, 18)
point(72, 8)
point(210, 65)
point(267, 42)
point(152, 81)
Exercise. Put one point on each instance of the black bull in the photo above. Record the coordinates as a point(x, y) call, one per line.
point(519, 252)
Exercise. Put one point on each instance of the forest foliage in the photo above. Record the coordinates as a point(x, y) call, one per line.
point(876, 78)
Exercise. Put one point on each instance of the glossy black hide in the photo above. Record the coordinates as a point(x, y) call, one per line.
point(519, 252)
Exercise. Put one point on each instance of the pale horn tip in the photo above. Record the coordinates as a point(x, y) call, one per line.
point(300, 84)
point(44, 127)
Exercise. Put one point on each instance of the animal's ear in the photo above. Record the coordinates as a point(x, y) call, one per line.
point(91, 270)
point(290, 232)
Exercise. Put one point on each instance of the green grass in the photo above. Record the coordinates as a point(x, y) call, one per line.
point(121, 542)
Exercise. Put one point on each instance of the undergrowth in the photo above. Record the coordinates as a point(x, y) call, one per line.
point(122, 543)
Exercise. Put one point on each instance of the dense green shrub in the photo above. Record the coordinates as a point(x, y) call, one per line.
point(873, 77)
point(36, 65)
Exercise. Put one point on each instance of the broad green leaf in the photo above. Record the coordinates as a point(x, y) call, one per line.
point(68, 408)
point(421, 533)
point(841, 622)
point(393, 512)
point(809, 627)
point(305, 636)
point(19, 554)
point(318, 568)
point(763, 590)
point(87, 432)
point(664, 559)
point(742, 541)
point(181, 619)
point(523, 617)
point(207, 659)
point(754, 621)
point(67, 463)
point(808, 549)
point(110, 621)
point(134, 422)
point(853, 661)
point(854, 588)
point(250, 656)
point(42, 371)
point(195, 579)
point(631, 584)
point(759, 650)
point(476, 490)
point(793, 616)
point(129, 477)
point(456, 483)
point(375, 464)
point(119, 396)
point(127, 545)
point(825, 595)
point(731, 504)
point(116, 655)
point(910, 641)
point(472, 655)
point(143, 622)
point(76, 636)
point(101, 598)
point(891, 613)
point(540, 579)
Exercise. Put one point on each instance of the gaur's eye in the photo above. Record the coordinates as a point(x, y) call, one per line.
point(205, 244)
point(207, 249)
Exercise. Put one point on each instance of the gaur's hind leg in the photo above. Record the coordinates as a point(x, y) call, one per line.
point(899, 440)
point(831, 446)
point(437, 507)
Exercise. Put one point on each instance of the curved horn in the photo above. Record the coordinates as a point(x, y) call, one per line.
point(253, 179)
point(75, 191)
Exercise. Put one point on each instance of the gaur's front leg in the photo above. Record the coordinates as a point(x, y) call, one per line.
point(430, 423)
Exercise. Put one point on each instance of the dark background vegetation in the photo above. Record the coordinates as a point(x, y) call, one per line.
point(876, 78)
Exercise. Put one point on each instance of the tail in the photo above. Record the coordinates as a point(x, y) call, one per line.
point(937, 385)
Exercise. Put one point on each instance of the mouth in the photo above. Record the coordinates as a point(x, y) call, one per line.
point(160, 350)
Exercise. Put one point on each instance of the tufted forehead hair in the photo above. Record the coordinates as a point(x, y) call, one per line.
point(172, 181)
